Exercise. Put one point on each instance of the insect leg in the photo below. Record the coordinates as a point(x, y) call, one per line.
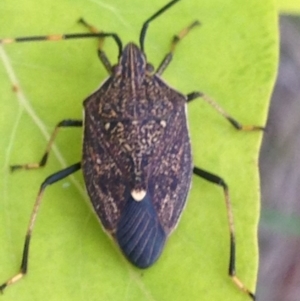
point(48, 181)
point(234, 122)
point(60, 37)
point(43, 161)
point(168, 57)
point(101, 54)
point(149, 20)
point(232, 259)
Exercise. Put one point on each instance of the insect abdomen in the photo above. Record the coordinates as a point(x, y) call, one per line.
point(139, 233)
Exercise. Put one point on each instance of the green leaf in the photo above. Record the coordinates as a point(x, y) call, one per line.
point(289, 6)
point(232, 57)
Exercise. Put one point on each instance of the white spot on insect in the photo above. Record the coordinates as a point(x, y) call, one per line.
point(107, 126)
point(163, 123)
point(138, 195)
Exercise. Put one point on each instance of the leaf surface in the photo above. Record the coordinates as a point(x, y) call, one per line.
point(289, 6)
point(232, 57)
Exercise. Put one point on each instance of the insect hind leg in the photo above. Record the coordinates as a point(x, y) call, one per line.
point(48, 181)
point(232, 257)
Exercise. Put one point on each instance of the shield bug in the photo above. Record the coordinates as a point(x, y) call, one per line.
point(136, 161)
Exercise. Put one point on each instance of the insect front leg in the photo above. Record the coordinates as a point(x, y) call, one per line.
point(48, 181)
point(43, 161)
point(101, 54)
point(234, 122)
point(232, 257)
point(176, 39)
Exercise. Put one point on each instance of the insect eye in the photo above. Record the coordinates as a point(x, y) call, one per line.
point(149, 68)
point(116, 70)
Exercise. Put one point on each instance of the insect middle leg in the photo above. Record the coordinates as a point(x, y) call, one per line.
point(43, 161)
point(234, 122)
point(48, 181)
point(176, 39)
point(232, 258)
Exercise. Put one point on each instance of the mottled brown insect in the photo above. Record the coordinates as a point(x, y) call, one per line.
point(137, 157)
point(136, 160)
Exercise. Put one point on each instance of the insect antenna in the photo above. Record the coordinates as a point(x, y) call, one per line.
point(146, 23)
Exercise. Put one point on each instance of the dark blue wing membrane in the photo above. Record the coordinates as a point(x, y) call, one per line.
point(139, 233)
